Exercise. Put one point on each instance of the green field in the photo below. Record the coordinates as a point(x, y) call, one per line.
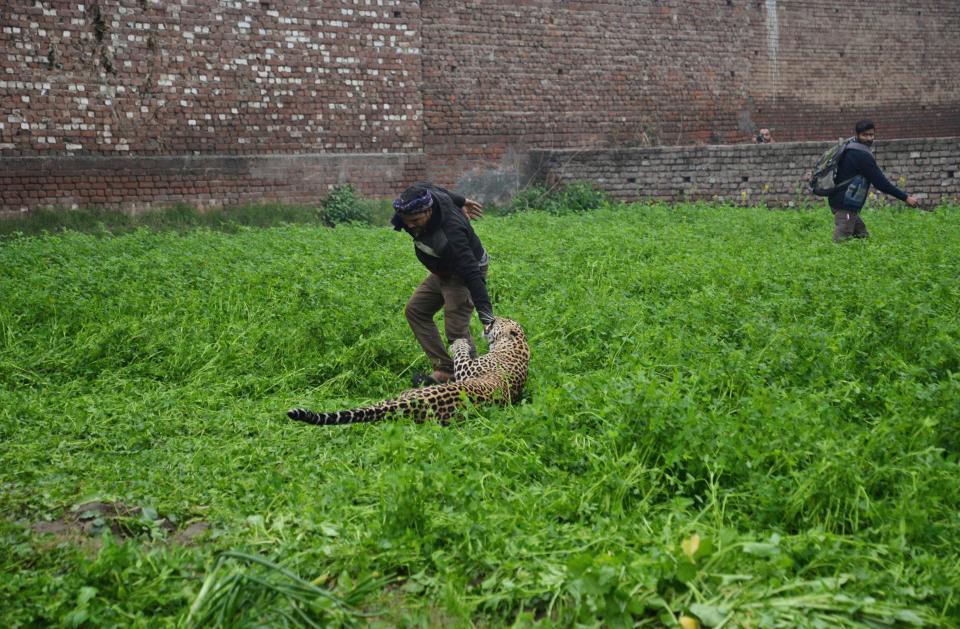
point(727, 416)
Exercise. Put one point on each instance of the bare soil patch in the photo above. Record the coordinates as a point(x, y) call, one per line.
point(85, 523)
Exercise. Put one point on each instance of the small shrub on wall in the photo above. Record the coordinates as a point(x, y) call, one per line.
point(574, 198)
point(344, 205)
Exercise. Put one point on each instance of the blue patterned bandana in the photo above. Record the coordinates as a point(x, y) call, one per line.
point(415, 205)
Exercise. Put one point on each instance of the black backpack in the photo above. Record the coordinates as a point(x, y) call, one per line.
point(823, 181)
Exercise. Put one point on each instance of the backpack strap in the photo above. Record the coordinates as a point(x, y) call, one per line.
point(857, 146)
point(851, 145)
point(837, 186)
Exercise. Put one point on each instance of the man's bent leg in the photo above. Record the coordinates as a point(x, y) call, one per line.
point(860, 228)
point(425, 302)
point(457, 311)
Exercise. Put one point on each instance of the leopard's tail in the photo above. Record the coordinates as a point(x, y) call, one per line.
point(354, 416)
point(413, 403)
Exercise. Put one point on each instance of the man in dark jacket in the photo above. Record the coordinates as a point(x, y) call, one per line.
point(856, 170)
point(444, 241)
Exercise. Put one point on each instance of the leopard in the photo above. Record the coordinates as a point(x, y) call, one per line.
point(497, 377)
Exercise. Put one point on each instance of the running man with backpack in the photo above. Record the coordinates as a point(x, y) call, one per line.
point(854, 168)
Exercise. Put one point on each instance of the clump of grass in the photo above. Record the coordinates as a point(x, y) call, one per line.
point(241, 586)
point(573, 198)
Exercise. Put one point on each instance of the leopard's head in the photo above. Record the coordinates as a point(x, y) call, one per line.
point(504, 332)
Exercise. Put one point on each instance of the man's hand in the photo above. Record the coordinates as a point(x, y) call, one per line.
point(473, 209)
point(913, 201)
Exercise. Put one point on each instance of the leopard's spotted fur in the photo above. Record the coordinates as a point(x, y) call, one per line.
point(496, 377)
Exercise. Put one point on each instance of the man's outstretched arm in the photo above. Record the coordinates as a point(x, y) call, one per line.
point(471, 209)
point(870, 170)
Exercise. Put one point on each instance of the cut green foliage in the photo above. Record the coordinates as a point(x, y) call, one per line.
point(727, 417)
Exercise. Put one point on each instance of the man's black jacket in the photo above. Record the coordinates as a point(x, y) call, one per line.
point(449, 246)
point(861, 167)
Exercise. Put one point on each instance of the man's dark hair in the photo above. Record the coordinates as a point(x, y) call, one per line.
point(863, 126)
point(416, 190)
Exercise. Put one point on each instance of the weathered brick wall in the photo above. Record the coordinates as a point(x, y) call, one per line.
point(147, 77)
point(139, 183)
point(504, 76)
point(774, 174)
point(331, 86)
point(463, 89)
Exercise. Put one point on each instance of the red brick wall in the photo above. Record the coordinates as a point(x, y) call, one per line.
point(206, 181)
point(175, 77)
point(459, 90)
point(502, 76)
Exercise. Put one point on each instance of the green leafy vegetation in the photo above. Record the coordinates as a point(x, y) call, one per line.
point(341, 206)
point(572, 198)
point(727, 416)
point(345, 205)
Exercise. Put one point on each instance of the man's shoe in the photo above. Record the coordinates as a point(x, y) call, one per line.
point(427, 379)
point(423, 380)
